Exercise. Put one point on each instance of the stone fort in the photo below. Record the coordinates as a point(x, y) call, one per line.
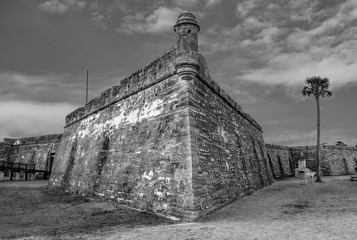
point(168, 140)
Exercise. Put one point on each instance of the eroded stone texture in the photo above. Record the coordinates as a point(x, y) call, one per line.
point(135, 151)
point(227, 149)
point(5, 150)
point(280, 160)
point(335, 160)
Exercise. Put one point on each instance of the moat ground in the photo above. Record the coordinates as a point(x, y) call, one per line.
point(288, 209)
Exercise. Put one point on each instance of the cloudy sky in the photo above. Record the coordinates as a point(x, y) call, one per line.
point(259, 51)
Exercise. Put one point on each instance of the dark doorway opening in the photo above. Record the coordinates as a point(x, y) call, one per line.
point(49, 163)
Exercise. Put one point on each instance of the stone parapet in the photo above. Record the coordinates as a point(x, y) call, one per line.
point(153, 73)
point(335, 160)
point(277, 147)
point(352, 148)
point(204, 76)
point(53, 138)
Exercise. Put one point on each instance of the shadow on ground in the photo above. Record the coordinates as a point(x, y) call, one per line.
point(35, 209)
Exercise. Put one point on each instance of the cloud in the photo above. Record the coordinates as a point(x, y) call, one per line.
point(212, 3)
point(246, 7)
point(49, 87)
point(195, 3)
point(122, 6)
point(161, 20)
point(99, 19)
point(292, 69)
point(185, 3)
point(36, 104)
point(30, 118)
point(284, 42)
point(61, 6)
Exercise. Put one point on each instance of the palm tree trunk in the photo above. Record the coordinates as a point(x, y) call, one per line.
point(318, 174)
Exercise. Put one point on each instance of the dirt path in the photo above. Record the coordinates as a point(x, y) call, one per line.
point(287, 209)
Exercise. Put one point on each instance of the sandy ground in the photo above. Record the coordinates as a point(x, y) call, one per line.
point(288, 209)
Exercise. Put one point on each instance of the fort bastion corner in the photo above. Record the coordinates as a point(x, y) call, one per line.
point(167, 139)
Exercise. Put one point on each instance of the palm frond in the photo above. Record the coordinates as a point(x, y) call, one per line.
point(317, 87)
point(307, 91)
point(325, 93)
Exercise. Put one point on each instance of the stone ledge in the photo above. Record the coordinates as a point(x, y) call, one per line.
point(225, 97)
point(52, 138)
point(151, 74)
point(204, 76)
point(352, 148)
point(277, 147)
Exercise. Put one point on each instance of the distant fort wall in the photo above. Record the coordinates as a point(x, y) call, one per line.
point(335, 160)
point(280, 160)
point(38, 150)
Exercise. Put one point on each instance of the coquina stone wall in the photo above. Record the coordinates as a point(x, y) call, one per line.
point(335, 160)
point(228, 153)
point(167, 139)
point(280, 160)
point(35, 150)
point(5, 150)
point(39, 150)
point(134, 151)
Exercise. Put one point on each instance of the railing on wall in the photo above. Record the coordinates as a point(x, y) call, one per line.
point(22, 167)
point(16, 166)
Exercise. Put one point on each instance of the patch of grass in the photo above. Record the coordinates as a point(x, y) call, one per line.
point(45, 211)
point(295, 207)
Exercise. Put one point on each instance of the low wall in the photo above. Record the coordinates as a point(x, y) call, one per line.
point(335, 160)
point(39, 150)
point(280, 160)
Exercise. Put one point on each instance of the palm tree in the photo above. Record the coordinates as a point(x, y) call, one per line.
point(318, 88)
